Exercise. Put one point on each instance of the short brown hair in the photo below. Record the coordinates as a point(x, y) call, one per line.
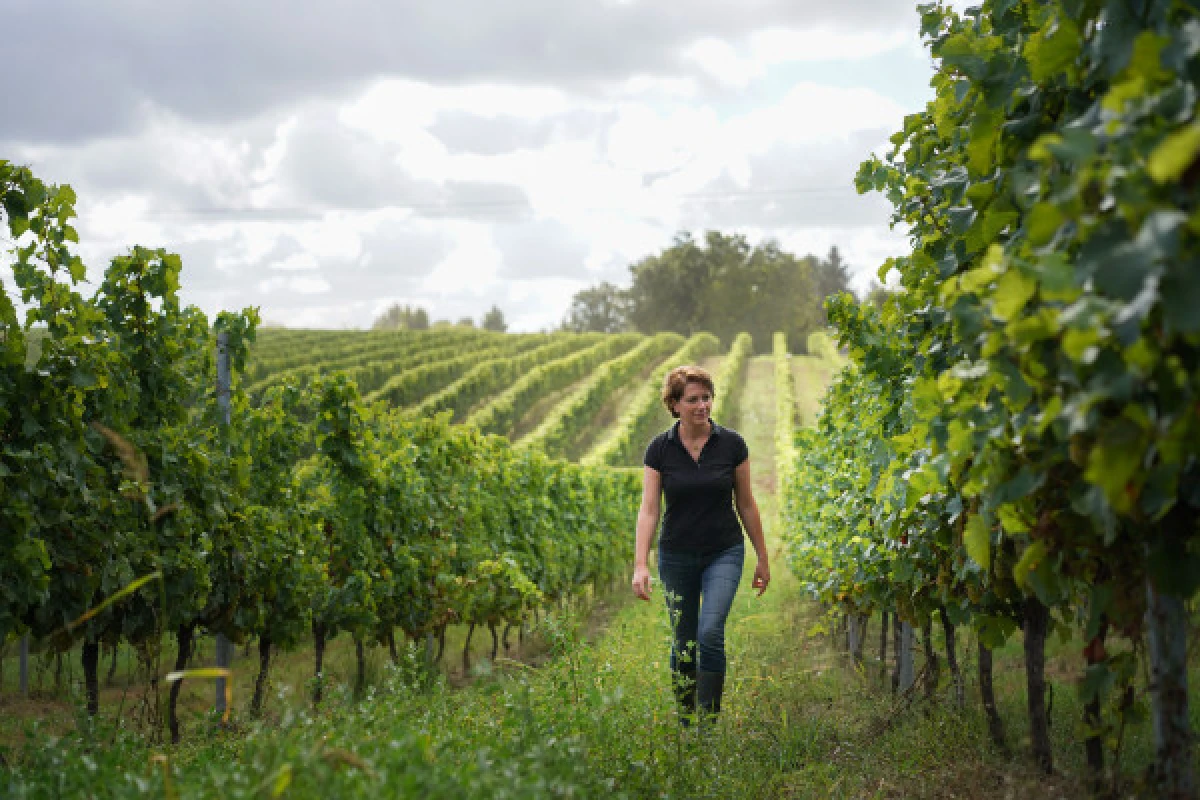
point(676, 383)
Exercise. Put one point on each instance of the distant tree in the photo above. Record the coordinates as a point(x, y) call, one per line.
point(876, 293)
point(833, 277)
point(602, 309)
point(493, 320)
point(465, 322)
point(725, 286)
point(403, 318)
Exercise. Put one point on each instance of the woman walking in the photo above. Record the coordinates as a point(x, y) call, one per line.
point(703, 469)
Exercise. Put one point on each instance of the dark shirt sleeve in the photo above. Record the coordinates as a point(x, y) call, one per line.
point(654, 454)
point(741, 452)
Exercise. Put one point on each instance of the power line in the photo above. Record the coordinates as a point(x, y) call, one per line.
point(271, 213)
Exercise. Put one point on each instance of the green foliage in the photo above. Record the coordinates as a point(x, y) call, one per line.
point(492, 374)
point(603, 308)
point(369, 357)
point(1022, 421)
point(566, 422)
point(493, 320)
point(418, 379)
point(122, 458)
point(645, 414)
point(831, 275)
point(43, 450)
point(785, 410)
point(404, 318)
point(725, 286)
point(728, 381)
point(503, 412)
point(821, 345)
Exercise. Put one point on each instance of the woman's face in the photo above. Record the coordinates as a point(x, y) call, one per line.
point(695, 405)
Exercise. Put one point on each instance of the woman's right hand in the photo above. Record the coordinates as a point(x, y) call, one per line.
point(641, 582)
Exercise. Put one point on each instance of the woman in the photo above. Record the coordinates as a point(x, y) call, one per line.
point(704, 470)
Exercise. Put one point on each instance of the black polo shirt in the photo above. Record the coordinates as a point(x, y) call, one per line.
point(700, 515)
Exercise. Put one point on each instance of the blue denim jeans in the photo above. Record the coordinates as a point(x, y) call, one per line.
point(699, 591)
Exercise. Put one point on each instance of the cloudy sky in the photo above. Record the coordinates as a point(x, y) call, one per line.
point(322, 161)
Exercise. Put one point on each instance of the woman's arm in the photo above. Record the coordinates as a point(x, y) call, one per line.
point(743, 495)
point(647, 521)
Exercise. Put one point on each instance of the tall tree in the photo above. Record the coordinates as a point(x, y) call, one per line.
point(833, 276)
point(725, 286)
point(405, 318)
point(493, 320)
point(876, 294)
point(602, 309)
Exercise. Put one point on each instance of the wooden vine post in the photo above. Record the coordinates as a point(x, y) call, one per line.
point(224, 646)
point(1167, 640)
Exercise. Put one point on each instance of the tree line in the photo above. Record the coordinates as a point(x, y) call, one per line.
point(414, 318)
point(721, 284)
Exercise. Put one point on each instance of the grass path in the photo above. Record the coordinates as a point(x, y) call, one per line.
point(798, 721)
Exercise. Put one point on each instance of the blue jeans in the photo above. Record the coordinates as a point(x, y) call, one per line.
point(688, 578)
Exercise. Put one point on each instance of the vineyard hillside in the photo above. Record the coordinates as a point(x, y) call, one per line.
point(585, 397)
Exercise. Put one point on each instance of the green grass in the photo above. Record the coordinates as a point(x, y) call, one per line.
point(811, 375)
point(597, 719)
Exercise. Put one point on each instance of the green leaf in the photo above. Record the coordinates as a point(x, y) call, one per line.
point(282, 780)
point(1014, 518)
point(1146, 61)
point(1056, 278)
point(1121, 273)
point(1052, 50)
point(996, 221)
point(1072, 144)
point(985, 130)
point(114, 598)
point(1114, 461)
point(1043, 149)
point(1013, 291)
point(67, 195)
point(965, 53)
point(1097, 682)
point(1174, 154)
point(961, 218)
point(977, 538)
point(1043, 222)
point(1180, 298)
point(1078, 343)
point(1028, 562)
point(1040, 325)
point(83, 378)
point(994, 630)
point(980, 193)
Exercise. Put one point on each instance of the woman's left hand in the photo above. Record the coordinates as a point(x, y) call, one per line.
point(762, 576)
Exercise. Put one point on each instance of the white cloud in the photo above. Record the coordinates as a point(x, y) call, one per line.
point(296, 262)
point(813, 114)
point(737, 66)
point(721, 61)
point(297, 285)
point(639, 86)
point(647, 140)
point(544, 302)
point(471, 267)
point(518, 183)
